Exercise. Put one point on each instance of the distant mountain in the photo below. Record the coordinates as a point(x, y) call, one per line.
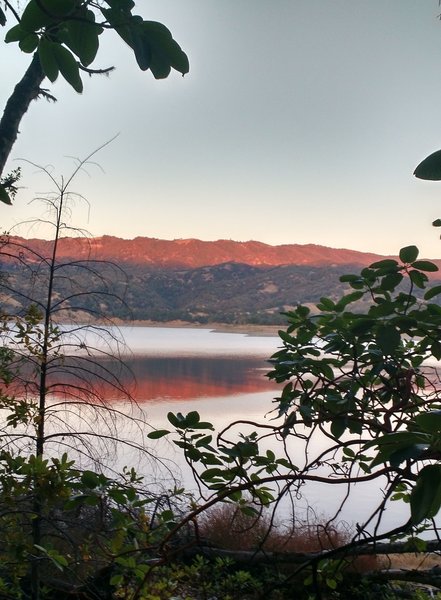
point(192, 253)
point(188, 280)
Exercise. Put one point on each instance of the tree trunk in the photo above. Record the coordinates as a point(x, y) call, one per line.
point(26, 90)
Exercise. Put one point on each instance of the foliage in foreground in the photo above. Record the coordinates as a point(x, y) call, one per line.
point(363, 383)
point(360, 403)
point(62, 37)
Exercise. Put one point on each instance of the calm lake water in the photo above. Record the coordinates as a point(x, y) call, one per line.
point(222, 376)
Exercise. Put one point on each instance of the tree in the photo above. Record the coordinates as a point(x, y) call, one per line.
point(62, 37)
point(360, 403)
point(60, 507)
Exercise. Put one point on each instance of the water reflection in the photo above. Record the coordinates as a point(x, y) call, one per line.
point(184, 378)
point(148, 379)
point(158, 364)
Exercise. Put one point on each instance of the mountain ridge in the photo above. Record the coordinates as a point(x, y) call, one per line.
point(194, 253)
point(179, 280)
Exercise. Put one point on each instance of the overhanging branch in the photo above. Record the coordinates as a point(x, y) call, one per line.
point(104, 71)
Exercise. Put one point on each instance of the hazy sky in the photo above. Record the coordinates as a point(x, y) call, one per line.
point(301, 121)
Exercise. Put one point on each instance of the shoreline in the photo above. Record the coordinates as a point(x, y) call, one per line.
point(247, 329)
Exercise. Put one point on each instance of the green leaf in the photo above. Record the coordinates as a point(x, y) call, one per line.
point(425, 265)
point(355, 426)
point(167, 515)
point(388, 338)
point(2, 18)
point(326, 305)
point(331, 583)
point(29, 43)
point(435, 349)
point(386, 263)
point(159, 433)
point(362, 325)
point(205, 442)
point(34, 18)
point(175, 420)
point(429, 421)
point(125, 5)
point(382, 310)
point(351, 279)
point(302, 311)
point(409, 254)
point(4, 196)
point(348, 299)
point(246, 449)
point(425, 498)
point(437, 223)
point(398, 439)
point(117, 579)
point(142, 50)
point(59, 8)
point(151, 42)
point(203, 425)
point(430, 168)
point(285, 337)
point(249, 511)
point(211, 474)
point(326, 370)
point(434, 291)
point(192, 419)
point(419, 279)
point(165, 51)
point(118, 495)
point(118, 19)
point(82, 37)
point(415, 544)
point(68, 67)
point(15, 34)
point(434, 309)
point(368, 274)
point(48, 61)
point(390, 282)
point(392, 444)
point(192, 453)
point(338, 427)
point(412, 452)
point(90, 479)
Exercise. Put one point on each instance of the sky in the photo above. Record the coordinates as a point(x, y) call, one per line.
point(300, 121)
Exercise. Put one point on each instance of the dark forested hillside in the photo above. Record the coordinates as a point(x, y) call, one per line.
point(229, 293)
point(155, 287)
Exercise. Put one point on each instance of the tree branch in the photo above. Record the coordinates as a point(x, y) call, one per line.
point(12, 9)
point(104, 71)
point(26, 90)
point(270, 557)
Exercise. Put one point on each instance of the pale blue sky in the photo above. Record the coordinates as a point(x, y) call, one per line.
point(301, 121)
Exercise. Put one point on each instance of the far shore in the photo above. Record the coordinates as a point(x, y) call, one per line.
point(247, 329)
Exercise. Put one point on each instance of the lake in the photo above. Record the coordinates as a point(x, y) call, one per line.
point(222, 376)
